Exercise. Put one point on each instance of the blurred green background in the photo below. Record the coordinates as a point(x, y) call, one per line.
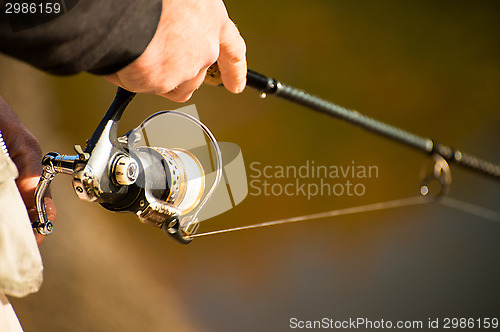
point(431, 67)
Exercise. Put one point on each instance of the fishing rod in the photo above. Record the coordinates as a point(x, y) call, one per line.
point(157, 172)
point(270, 86)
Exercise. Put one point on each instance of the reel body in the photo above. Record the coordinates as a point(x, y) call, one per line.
point(165, 187)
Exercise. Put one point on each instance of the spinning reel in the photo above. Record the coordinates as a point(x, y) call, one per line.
point(136, 173)
point(168, 187)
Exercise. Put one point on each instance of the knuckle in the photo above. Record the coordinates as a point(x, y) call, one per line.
point(182, 99)
point(186, 75)
point(237, 53)
point(211, 55)
point(179, 97)
point(193, 73)
point(237, 57)
point(162, 87)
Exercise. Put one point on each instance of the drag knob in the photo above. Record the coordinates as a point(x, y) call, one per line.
point(126, 170)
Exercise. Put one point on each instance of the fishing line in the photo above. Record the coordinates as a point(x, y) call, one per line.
point(470, 208)
point(404, 202)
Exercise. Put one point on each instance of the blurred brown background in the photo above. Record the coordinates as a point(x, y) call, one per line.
point(431, 67)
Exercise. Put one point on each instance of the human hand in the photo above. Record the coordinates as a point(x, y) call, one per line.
point(26, 153)
point(190, 37)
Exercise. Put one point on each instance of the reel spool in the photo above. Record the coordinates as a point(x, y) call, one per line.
point(175, 184)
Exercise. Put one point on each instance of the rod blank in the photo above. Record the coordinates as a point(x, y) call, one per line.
point(269, 86)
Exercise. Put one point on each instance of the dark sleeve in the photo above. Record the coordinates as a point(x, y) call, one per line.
point(96, 36)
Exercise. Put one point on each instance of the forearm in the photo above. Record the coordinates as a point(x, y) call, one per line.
point(99, 37)
point(161, 47)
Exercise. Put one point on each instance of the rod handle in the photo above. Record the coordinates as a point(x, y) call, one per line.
point(213, 75)
point(254, 79)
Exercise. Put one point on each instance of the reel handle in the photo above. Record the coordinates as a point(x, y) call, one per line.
point(43, 225)
point(52, 164)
